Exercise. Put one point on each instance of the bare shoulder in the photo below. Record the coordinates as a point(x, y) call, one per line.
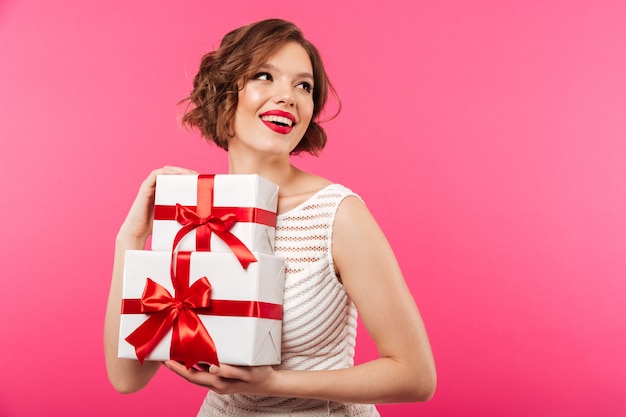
point(301, 190)
point(353, 216)
point(359, 245)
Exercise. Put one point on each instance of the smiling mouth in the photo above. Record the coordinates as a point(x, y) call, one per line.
point(278, 120)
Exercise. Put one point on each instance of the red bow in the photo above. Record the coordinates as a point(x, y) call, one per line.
point(207, 219)
point(191, 343)
point(212, 224)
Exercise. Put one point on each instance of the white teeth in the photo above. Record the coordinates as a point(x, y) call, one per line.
point(279, 119)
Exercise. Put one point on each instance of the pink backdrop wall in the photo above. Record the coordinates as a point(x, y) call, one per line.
point(488, 138)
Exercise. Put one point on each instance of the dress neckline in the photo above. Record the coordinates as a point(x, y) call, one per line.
point(305, 202)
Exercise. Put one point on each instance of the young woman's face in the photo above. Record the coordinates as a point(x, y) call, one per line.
point(276, 104)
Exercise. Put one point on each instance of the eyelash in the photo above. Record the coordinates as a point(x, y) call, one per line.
point(261, 74)
point(305, 85)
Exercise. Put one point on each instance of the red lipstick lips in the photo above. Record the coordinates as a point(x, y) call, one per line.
point(279, 121)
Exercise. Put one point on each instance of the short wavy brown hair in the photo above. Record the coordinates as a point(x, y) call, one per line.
point(213, 100)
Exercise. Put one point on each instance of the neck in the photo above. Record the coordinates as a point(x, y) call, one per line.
point(276, 169)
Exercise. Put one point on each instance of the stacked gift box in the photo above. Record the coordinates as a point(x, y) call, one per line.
point(210, 290)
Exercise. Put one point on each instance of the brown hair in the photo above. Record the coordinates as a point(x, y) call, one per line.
point(222, 72)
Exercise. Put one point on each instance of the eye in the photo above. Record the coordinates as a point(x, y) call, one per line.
point(263, 76)
point(305, 86)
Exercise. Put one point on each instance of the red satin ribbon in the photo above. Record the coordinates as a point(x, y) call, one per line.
point(224, 308)
point(191, 343)
point(207, 219)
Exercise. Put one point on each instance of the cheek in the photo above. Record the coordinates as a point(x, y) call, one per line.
point(249, 100)
point(308, 111)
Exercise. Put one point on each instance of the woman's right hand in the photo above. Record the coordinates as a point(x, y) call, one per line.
point(128, 375)
point(138, 223)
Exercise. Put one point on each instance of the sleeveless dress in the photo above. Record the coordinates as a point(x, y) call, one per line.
point(319, 319)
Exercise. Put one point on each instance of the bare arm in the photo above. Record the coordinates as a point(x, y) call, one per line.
point(127, 375)
point(405, 370)
point(372, 277)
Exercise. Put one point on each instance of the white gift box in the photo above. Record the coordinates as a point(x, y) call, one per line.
point(250, 192)
point(246, 341)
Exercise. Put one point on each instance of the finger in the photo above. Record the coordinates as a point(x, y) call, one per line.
point(170, 169)
point(231, 372)
point(150, 181)
point(199, 377)
point(202, 367)
point(179, 368)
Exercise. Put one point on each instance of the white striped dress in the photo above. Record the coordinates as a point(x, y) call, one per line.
point(319, 322)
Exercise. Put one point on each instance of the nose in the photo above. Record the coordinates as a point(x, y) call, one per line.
point(284, 94)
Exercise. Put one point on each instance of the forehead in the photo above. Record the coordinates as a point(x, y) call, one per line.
point(290, 57)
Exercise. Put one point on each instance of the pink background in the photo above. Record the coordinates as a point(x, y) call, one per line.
point(488, 138)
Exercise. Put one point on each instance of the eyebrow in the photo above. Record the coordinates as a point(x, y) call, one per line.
point(301, 74)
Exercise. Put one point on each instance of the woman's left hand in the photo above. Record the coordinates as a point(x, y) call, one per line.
point(228, 379)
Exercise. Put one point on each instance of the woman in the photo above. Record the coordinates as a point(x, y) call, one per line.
point(258, 97)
